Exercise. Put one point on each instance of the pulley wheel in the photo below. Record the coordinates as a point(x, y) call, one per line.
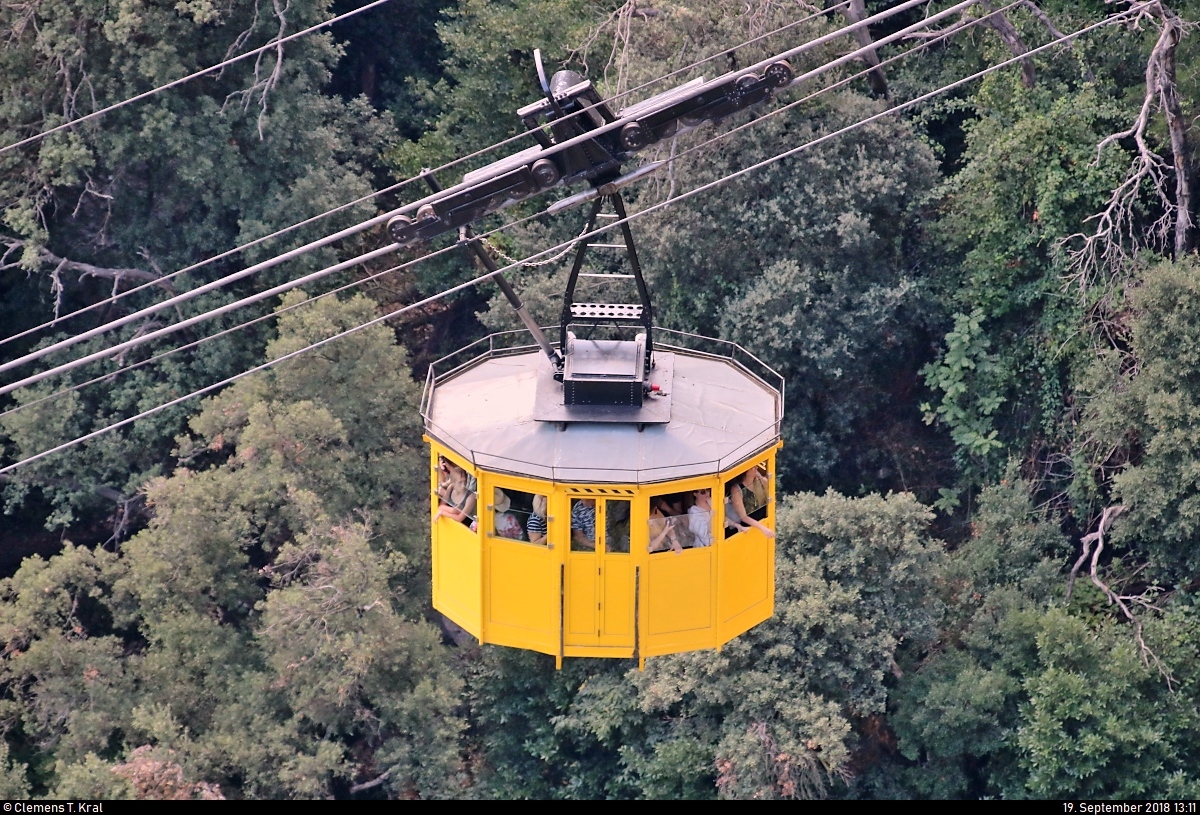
point(779, 74)
point(545, 173)
point(400, 228)
point(634, 136)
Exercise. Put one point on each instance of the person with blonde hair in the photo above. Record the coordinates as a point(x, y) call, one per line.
point(536, 526)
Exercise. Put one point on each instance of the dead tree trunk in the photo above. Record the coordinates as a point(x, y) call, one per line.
point(1177, 125)
point(1008, 32)
point(857, 12)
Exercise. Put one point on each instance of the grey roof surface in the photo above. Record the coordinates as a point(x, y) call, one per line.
point(720, 415)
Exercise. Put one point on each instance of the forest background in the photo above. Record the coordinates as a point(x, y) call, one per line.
point(988, 537)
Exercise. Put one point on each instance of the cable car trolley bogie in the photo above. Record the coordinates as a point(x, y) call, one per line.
point(579, 138)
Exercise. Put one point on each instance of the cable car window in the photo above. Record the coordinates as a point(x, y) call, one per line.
point(583, 524)
point(700, 517)
point(516, 516)
point(616, 526)
point(456, 493)
point(746, 497)
point(670, 523)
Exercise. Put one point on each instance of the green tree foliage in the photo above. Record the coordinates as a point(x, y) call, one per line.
point(1026, 699)
point(154, 187)
point(392, 55)
point(489, 70)
point(1143, 415)
point(1029, 180)
point(261, 634)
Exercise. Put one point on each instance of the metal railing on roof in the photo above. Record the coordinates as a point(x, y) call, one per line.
point(508, 343)
point(516, 341)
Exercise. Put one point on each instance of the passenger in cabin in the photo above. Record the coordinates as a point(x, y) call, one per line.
point(536, 526)
point(663, 534)
point(507, 525)
point(746, 502)
point(457, 500)
point(583, 524)
point(733, 524)
point(700, 517)
point(443, 488)
point(671, 504)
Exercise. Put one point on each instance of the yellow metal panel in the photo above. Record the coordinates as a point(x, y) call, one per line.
point(743, 573)
point(746, 571)
point(509, 593)
point(457, 572)
point(457, 559)
point(521, 580)
point(745, 596)
point(604, 652)
point(600, 591)
point(582, 603)
point(616, 604)
point(678, 594)
point(522, 596)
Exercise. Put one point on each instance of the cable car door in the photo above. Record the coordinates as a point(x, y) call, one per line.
point(599, 592)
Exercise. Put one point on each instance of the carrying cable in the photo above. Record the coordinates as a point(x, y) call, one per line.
point(120, 347)
point(600, 230)
point(45, 351)
point(499, 252)
point(392, 188)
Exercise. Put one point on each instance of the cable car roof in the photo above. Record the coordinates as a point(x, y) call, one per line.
point(719, 415)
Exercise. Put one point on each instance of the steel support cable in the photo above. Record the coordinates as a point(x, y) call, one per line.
point(408, 208)
point(399, 185)
point(840, 83)
point(177, 82)
point(150, 336)
point(599, 231)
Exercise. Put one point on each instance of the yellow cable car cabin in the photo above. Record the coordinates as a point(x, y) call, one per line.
point(608, 497)
point(600, 539)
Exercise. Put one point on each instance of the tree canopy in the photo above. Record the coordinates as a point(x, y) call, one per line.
point(986, 308)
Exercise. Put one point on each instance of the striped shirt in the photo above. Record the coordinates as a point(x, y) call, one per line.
point(536, 525)
point(583, 518)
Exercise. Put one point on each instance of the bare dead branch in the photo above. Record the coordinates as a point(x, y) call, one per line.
point(128, 507)
point(1145, 600)
point(1106, 521)
point(240, 40)
point(262, 86)
point(56, 286)
point(374, 782)
point(1106, 255)
point(618, 55)
point(118, 275)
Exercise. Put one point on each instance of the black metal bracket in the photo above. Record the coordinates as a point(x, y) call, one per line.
point(641, 314)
